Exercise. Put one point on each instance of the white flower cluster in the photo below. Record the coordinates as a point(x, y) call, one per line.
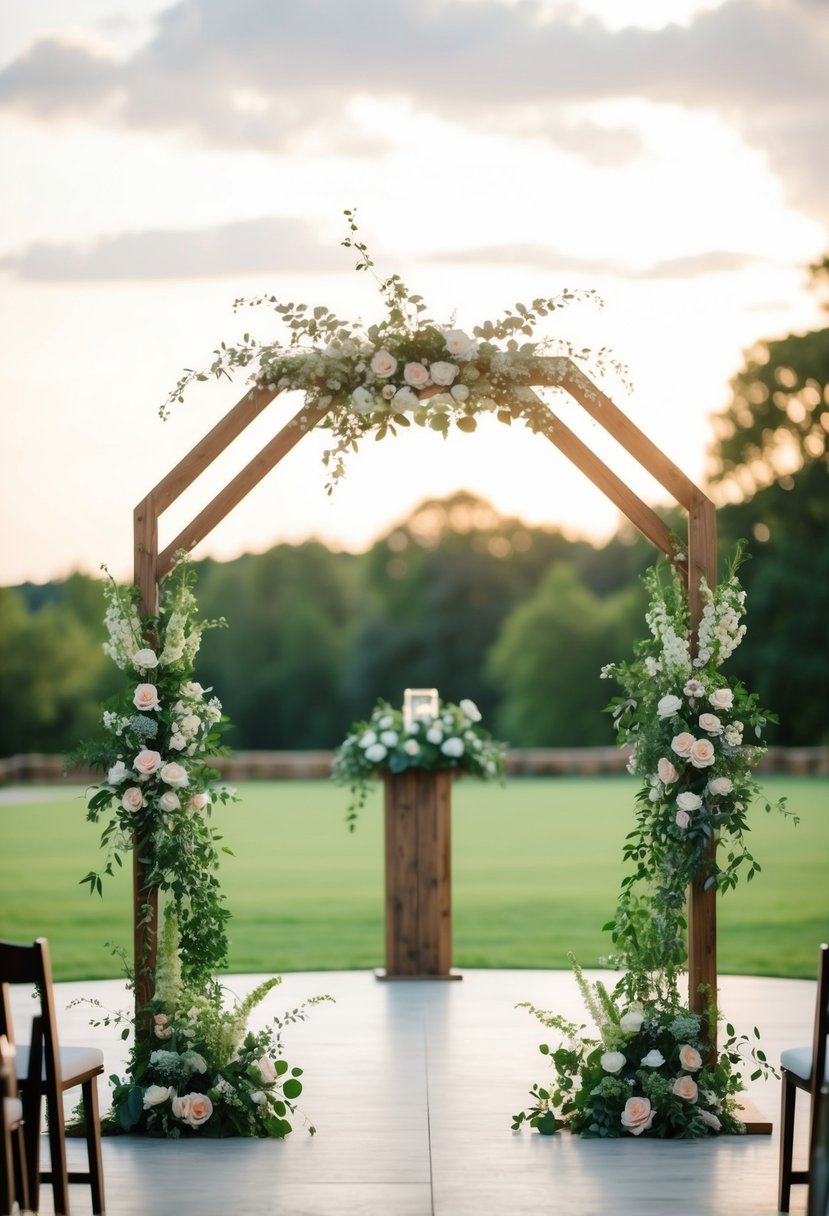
point(720, 630)
point(123, 626)
point(675, 653)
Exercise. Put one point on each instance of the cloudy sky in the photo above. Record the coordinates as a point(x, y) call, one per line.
point(163, 158)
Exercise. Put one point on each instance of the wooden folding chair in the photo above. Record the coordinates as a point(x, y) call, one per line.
point(62, 1068)
point(804, 1068)
point(14, 1185)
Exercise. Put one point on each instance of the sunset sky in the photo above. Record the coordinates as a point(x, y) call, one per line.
point(162, 158)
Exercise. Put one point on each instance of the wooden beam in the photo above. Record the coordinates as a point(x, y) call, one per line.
point(564, 373)
point(210, 446)
point(638, 512)
point(241, 485)
point(145, 554)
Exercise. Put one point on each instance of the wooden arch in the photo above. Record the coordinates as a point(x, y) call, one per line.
point(151, 565)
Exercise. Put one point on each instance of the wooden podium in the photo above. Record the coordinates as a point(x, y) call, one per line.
point(418, 810)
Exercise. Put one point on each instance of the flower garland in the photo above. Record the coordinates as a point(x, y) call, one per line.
point(451, 739)
point(205, 1073)
point(695, 738)
point(159, 789)
point(649, 1072)
point(406, 369)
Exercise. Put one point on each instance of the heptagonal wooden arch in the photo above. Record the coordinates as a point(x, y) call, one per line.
point(697, 563)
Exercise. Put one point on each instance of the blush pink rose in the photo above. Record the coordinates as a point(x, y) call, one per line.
point(132, 799)
point(416, 375)
point(146, 697)
point(682, 819)
point(637, 1116)
point(686, 1088)
point(667, 773)
point(710, 723)
point(722, 698)
point(682, 744)
point(147, 762)
point(719, 786)
point(702, 753)
point(689, 1058)
point(383, 364)
point(199, 801)
point(174, 774)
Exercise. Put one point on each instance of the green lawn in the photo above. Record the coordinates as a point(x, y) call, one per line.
point(535, 869)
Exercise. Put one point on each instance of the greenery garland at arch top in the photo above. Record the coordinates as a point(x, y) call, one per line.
point(405, 369)
point(646, 1067)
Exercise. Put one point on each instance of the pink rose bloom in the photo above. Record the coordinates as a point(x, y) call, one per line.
point(720, 785)
point(416, 375)
point(147, 762)
point(383, 364)
point(667, 773)
point(637, 1116)
point(685, 1087)
point(195, 1109)
point(686, 801)
point(682, 744)
point(689, 1058)
point(169, 801)
point(132, 799)
point(199, 801)
point(682, 819)
point(146, 697)
point(722, 698)
point(174, 774)
point(702, 753)
point(710, 723)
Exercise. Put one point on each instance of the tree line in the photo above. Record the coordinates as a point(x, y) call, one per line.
point(519, 619)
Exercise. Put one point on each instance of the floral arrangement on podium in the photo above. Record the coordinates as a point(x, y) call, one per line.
point(695, 737)
point(194, 1067)
point(432, 735)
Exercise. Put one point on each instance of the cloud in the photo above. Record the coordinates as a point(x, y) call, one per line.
point(250, 246)
point(270, 76)
point(545, 257)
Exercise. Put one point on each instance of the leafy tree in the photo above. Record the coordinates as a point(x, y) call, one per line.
point(548, 658)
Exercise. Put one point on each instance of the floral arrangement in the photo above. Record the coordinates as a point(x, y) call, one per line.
point(451, 739)
point(159, 788)
point(649, 1072)
point(204, 1073)
point(405, 369)
point(695, 737)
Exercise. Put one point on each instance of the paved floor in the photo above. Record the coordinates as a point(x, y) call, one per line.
point(411, 1087)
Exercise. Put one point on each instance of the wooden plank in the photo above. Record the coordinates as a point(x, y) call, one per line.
point(211, 445)
point(241, 485)
point(145, 554)
point(401, 873)
point(579, 454)
point(566, 374)
point(434, 910)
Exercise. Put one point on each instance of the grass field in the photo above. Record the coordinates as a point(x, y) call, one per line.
point(536, 869)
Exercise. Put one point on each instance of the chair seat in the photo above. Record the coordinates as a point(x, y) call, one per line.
point(12, 1112)
point(798, 1060)
point(75, 1062)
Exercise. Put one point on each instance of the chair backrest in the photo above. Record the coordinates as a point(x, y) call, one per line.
point(821, 1024)
point(31, 965)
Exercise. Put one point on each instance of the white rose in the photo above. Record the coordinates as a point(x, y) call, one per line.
point(386, 722)
point(174, 774)
point(363, 401)
point(720, 785)
point(193, 689)
point(154, 1095)
point(668, 706)
point(710, 723)
point(460, 392)
point(416, 375)
point(367, 739)
point(117, 773)
point(389, 738)
point(266, 1069)
point(654, 1059)
point(613, 1061)
point(470, 709)
point(444, 373)
point(132, 799)
point(722, 698)
point(146, 698)
point(376, 752)
point(147, 762)
point(145, 660)
point(199, 801)
point(169, 801)
point(190, 725)
point(452, 747)
point(258, 1097)
point(434, 734)
point(383, 364)
point(405, 399)
point(687, 801)
point(631, 1021)
point(460, 345)
point(411, 747)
